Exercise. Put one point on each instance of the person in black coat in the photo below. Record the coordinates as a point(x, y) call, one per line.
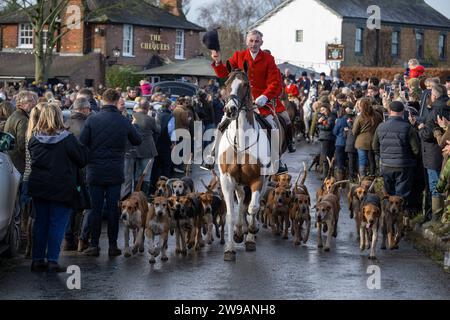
point(56, 156)
point(106, 134)
point(163, 161)
point(431, 151)
point(327, 140)
point(323, 84)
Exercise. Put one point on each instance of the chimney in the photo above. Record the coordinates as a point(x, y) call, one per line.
point(175, 7)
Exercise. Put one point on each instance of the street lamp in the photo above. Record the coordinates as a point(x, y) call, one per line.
point(116, 54)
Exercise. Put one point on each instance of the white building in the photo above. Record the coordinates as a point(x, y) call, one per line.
point(298, 31)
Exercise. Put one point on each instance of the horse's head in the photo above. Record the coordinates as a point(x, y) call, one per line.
point(239, 92)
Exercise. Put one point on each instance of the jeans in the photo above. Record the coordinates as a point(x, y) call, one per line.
point(433, 179)
point(85, 223)
point(127, 186)
point(25, 199)
point(49, 226)
point(340, 158)
point(366, 157)
point(73, 226)
point(398, 182)
point(98, 196)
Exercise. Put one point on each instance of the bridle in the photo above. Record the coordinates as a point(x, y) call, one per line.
point(241, 106)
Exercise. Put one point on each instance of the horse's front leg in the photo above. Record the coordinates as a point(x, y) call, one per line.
point(253, 228)
point(228, 194)
point(239, 227)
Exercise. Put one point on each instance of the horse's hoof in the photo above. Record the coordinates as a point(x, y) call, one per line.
point(250, 246)
point(229, 256)
point(238, 239)
point(164, 258)
point(152, 261)
point(265, 226)
point(297, 243)
point(222, 242)
point(326, 249)
point(141, 250)
point(372, 258)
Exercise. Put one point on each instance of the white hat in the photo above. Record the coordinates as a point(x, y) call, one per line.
point(2, 96)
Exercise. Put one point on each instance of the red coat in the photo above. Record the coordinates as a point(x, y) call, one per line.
point(292, 90)
point(416, 72)
point(264, 76)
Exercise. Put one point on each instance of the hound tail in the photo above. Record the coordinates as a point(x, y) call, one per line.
point(142, 177)
point(305, 172)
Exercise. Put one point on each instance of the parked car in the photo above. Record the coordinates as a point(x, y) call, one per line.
point(175, 89)
point(9, 199)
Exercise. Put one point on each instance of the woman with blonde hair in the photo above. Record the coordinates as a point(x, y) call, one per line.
point(56, 156)
point(363, 130)
point(32, 122)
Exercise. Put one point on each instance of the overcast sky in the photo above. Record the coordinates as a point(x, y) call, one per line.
point(442, 6)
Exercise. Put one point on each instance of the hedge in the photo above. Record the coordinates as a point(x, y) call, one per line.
point(349, 73)
point(122, 76)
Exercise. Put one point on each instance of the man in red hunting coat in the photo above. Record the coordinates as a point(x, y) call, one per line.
point(264, 76)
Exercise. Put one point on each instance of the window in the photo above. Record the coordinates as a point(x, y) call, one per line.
point(395, 43)
point(442, 46)
point(179, 45)
point(419, 45)
point(25, 36)
point(358, 40)
point(127, 40)
point(299, 36)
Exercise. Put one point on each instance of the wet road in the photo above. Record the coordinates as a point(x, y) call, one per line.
point(277, 270)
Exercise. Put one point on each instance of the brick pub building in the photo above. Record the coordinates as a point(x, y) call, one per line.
point(132, 33)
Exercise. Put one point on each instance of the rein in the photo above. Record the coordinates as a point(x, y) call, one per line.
point(241, 107)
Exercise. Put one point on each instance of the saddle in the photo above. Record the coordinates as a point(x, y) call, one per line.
point(282, 126)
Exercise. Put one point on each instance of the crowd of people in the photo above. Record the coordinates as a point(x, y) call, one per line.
point(79, 148)
point(395, 128)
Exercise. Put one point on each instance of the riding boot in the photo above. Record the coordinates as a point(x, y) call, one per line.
point(210, 160)
point(290, 138)
point(437, 207)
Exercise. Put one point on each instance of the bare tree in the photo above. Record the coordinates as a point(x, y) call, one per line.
point(51, 20)
point(234, 17)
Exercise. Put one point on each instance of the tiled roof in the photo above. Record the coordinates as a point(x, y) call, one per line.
point(136, 12)
point(409, 12)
